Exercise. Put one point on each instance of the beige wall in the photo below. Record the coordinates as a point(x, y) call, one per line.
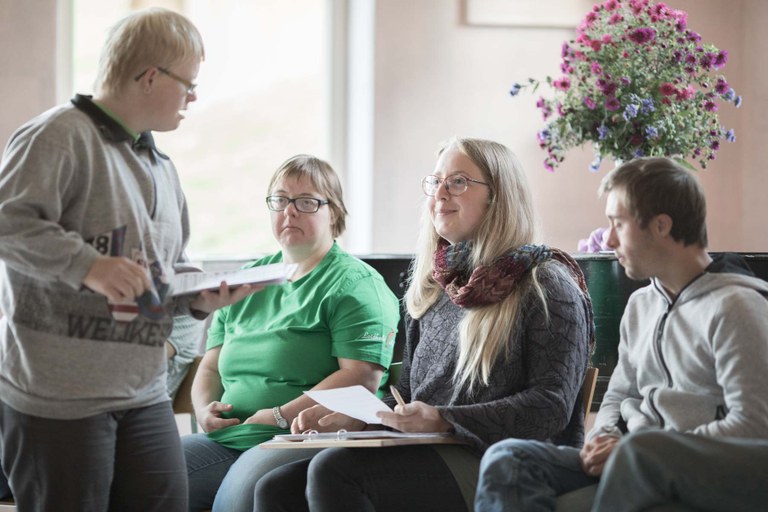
point(753, 209)
point(436, 77)
point(27, 61)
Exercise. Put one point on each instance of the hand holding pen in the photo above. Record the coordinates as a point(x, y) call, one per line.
point(414, 417)
point(396, 394)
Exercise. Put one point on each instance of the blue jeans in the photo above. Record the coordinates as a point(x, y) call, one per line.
point(523, 475)
point(686, 471)
point(128, 460)
point(223, 479)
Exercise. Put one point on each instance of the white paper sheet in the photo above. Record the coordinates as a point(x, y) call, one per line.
point(354, 401)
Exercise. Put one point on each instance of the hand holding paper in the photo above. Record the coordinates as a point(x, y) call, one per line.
point(354, 401)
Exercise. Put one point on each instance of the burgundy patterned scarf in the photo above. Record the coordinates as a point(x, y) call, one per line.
point(490, 284)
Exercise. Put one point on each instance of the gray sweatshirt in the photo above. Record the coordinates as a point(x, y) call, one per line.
point(73, 185)
point(697, 364)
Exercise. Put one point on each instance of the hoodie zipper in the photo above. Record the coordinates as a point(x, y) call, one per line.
point(660, 355)
point(657, 345)
point(659, 335)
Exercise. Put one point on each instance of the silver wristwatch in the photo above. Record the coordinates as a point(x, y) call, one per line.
point(281, 422)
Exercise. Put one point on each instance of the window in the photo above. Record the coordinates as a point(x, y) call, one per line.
point(262, 98)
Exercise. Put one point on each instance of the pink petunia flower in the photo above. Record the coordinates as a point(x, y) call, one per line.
point(667, 89)
point(612, 104)
point(562, 83)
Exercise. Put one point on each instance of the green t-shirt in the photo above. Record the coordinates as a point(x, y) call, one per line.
point(285, 339)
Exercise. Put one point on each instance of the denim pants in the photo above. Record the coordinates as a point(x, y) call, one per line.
point(127, 460)
point(685, 472)
point(528, 476)
point(223, 479)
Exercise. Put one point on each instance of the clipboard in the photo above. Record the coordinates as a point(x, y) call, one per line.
point(361, 439)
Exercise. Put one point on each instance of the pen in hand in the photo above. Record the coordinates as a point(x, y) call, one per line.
point(396, 394)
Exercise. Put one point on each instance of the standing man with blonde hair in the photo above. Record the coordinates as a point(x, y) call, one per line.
point(92, 222)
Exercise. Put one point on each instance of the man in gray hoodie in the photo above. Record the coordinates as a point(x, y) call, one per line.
point(692, 354)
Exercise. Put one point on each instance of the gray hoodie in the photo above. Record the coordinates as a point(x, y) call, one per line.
point(696, 364)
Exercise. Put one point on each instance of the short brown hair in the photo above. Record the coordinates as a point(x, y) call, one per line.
point(322, 176)
point(656, 185)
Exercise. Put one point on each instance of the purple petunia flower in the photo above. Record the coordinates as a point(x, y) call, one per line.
point(710, 106)
point(589, 103)
point(707, 60)
point(606, 87)
point(721, 59)
point(721, 86)
point(612, 104)
point(642, 35)
point(693, 36)
point(597, 241)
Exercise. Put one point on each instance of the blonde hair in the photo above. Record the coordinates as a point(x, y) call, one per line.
point(146, 38)
point(322, 176)
point(508, 223)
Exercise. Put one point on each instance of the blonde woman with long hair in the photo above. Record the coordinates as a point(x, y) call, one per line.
point(498, 341)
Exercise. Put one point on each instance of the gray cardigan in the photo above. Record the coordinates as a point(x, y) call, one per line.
point(534, 391)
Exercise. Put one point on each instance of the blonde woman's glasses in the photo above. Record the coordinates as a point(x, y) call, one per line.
point(454, 185)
